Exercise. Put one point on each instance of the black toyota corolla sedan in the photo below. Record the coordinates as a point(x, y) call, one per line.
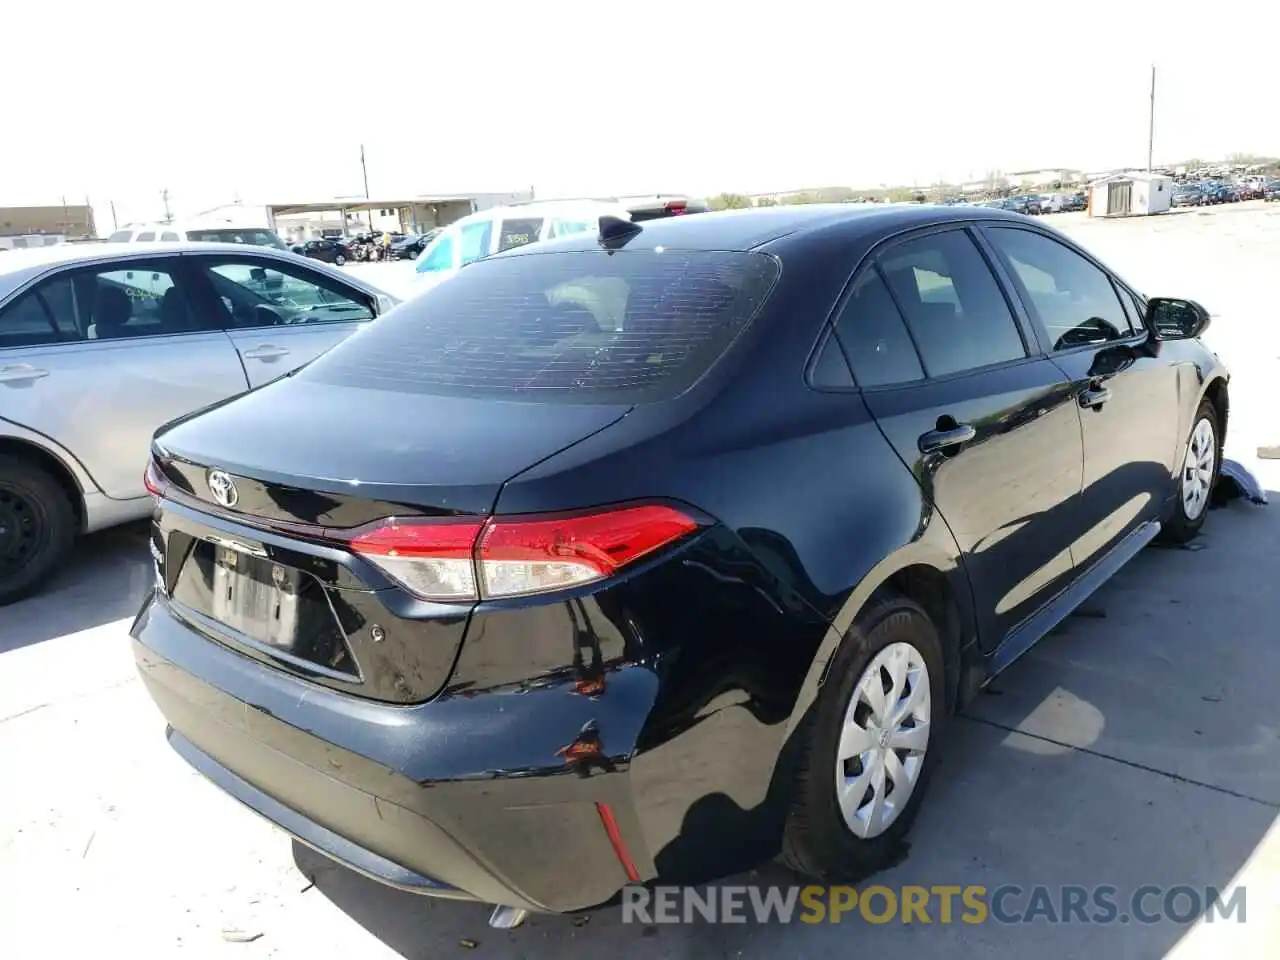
point(650, 554)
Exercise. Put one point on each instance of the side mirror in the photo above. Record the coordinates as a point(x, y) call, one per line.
point(1172, 319)
point(258, 274)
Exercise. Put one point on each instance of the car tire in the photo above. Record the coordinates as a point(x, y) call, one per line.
point(339, 259)
point(819, 838)
point(37, 528)
point(1197, 476)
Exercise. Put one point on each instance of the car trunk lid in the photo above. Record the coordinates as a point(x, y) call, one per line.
point(335, 457)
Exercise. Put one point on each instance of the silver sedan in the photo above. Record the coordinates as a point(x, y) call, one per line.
point(100, 344)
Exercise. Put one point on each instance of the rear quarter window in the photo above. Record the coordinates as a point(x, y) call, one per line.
point(567, 327)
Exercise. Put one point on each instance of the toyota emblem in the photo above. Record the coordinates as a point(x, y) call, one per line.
point(223, 488)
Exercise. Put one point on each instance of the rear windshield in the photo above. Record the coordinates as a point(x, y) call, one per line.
point(254, 238)
point(569, 327)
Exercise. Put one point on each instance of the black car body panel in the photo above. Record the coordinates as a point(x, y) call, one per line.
point(543, 751)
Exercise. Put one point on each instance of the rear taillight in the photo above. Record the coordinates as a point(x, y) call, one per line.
point(430, 560)
point(532, 556)
point(154, 480)
point(677, 207)
point(511, 556)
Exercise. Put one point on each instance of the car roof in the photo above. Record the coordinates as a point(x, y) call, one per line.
point(748, 229)
point(60, 253)
point(20, 265)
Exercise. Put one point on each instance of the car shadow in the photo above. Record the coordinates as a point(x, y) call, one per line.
point(106, 578)
point(1111, 754)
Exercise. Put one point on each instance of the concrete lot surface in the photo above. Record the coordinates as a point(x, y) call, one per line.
point(1139, 744)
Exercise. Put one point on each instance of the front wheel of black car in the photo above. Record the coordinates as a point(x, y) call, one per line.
point(868, 750)
point(37, 527)
point(1197, 477)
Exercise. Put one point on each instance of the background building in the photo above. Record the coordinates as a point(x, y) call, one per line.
point(37, 226)
point(342, 216)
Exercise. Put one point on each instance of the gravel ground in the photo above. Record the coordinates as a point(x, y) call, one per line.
point(1140, 744)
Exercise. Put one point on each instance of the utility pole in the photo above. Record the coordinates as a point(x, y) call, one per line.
point(164, 196)
point(1151, 120)
point(364, 171)
point(115, 224)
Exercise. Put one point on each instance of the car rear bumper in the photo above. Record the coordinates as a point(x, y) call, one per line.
point(464, 797)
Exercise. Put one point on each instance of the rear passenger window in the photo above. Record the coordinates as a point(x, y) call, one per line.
point(120, 236)
point(874, 338)
point(148, 235)
point(953, 306)
point(140, 300)
point(168, 235)
point(41, 316)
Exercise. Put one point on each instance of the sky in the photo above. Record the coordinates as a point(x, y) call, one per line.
point(270, 101)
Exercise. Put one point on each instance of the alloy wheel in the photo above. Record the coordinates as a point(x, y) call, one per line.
point(883, 740)
point(1198, 469)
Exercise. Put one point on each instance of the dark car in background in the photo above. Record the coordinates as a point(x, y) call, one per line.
point(1271, 190)
point(327, 250)
point(1074, 202)
point(411, 245)
point(1216, 192)
point(1029, 204)
point(1188, 195)
point(456, 637)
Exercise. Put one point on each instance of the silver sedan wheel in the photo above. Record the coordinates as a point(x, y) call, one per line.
point(1198, 469)
point(884, 739)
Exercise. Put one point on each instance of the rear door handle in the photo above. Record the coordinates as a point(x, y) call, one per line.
point(18, 372)
point(1094, 396)
point(936, 440)
point(266, 351)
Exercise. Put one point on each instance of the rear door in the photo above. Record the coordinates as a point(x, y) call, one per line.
point(279, 315)
point(1128, 396)
point(987, 426)
point(98, 357)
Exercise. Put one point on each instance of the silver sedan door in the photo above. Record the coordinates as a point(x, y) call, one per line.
point(97, 357)
point(281, 314)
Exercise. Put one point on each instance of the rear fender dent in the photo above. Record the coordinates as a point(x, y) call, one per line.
point(918, 553)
